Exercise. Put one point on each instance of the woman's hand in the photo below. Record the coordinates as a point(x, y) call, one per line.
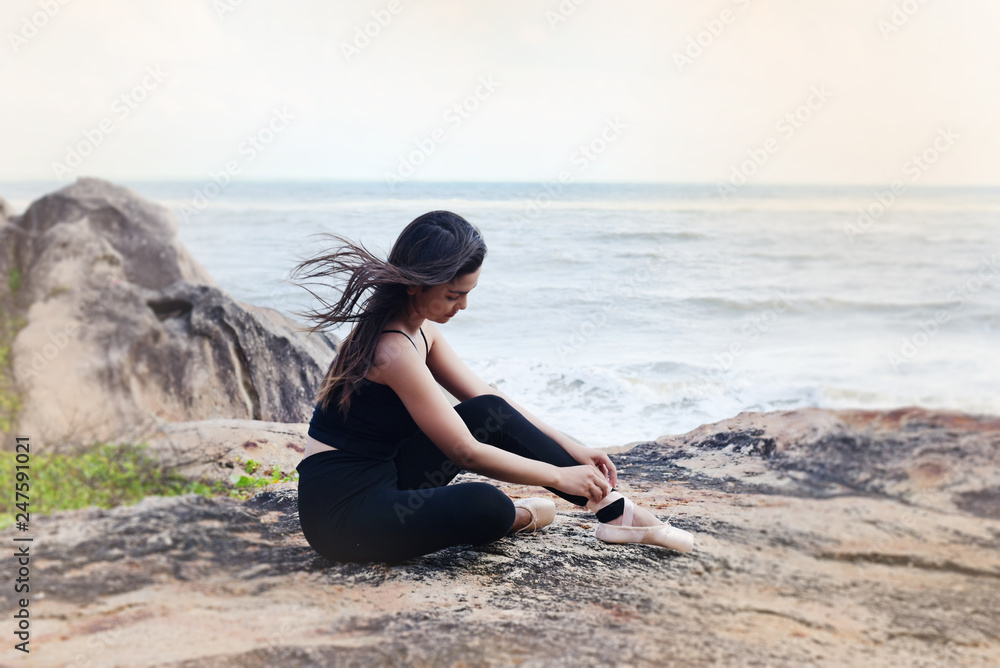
point(584, 480)
point(586, 455)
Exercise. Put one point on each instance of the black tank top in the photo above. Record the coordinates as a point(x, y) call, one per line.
point(376, 421)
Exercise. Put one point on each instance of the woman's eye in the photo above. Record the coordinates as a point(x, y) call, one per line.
point(451, 299)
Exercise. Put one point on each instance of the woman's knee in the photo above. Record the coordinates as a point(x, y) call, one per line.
point(491, 512)
point(486, 415)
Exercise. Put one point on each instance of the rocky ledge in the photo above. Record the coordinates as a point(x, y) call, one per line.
point(823, 538)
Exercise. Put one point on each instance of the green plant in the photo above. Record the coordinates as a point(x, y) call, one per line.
point(246, 485)
point(107, 475)
point(10, 400)
point(14, 279)
point(104, 476)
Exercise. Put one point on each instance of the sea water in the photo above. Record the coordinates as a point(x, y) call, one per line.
point(622, 312)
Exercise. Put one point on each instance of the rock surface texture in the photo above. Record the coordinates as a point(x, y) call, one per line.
point(822, 538)
point(123, 329)
point(216, 449)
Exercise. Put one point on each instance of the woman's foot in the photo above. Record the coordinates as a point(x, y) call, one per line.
point(640, 516)
point(633, 527)
point(521, 520)
point(532, 514)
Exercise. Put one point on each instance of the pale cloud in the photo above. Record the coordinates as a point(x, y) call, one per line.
point(558, 85)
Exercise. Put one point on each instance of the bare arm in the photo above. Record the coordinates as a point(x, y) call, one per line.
point(412, 380)
point(576, 450)
point(453, 375)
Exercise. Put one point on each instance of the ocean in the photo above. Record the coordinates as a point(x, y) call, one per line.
point(623, 312)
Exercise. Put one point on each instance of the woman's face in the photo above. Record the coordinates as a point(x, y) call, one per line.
point(441, 302)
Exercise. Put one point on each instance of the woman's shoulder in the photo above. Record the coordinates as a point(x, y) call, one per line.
point(428, 332)
point(432, 332)
point(390, 348)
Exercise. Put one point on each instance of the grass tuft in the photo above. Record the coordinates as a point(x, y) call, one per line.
point(10, 400)
point(115, 475)
point(14, 279)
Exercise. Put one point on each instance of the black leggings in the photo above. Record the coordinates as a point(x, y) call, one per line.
point(353, 508)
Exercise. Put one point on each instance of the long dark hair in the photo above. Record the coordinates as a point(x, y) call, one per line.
point(432, 250)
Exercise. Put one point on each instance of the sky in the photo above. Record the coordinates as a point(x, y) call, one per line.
point(780, 91)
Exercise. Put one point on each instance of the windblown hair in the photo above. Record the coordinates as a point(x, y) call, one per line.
point(432, 250)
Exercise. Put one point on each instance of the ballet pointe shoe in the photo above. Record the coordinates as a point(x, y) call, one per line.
point(663, 535)
point(542, 512)
point(611, 497)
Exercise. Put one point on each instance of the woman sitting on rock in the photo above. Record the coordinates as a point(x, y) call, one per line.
point(384, 442)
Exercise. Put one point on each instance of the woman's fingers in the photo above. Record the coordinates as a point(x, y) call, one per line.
point(603, 478)
point(602, 483)
point(612, 473)
point(609, 470)
point(593, 482)
point(595, 494)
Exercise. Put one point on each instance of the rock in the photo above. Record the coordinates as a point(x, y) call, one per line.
point(215, 449)
point(803, 556)
point(941, 460)
point(123, 328)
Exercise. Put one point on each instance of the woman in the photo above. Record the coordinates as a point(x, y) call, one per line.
point(384, 442)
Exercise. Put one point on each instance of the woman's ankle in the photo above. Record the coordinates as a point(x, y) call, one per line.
point(610, 510)
point(522, 518)
point(611, 497)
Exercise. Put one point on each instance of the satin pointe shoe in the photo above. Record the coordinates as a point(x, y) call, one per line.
point(663, 535)
point(542, 512)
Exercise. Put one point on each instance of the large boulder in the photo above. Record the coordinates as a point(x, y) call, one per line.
point(120, 328)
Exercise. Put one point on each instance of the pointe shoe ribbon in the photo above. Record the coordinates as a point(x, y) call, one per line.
point(663, 535)
point(542, 512)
